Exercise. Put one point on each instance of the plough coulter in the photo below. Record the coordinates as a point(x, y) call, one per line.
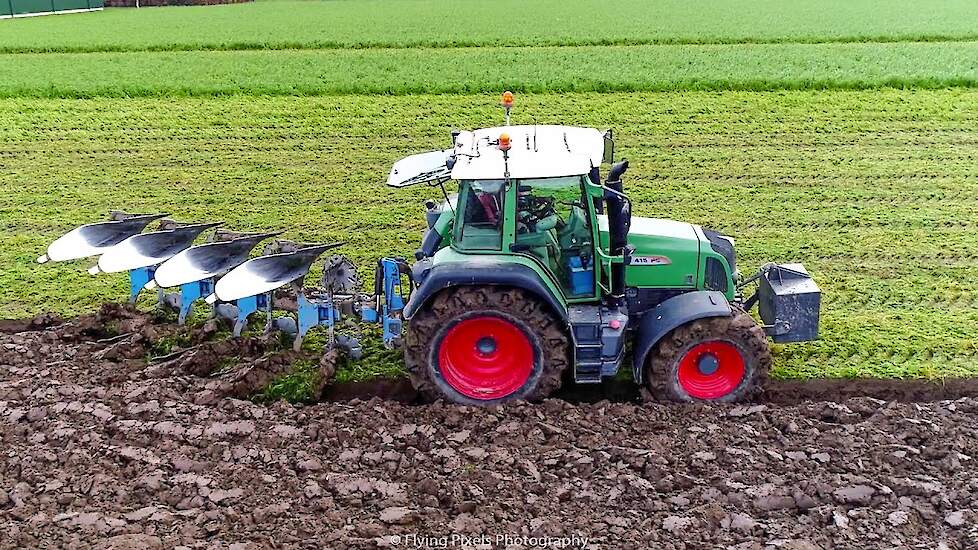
point(533, 274)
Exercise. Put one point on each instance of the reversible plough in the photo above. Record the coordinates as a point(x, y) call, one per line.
point(221, 272)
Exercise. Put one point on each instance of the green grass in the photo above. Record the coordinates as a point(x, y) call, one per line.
point(450, 71)
point(874, 191)
point(410, 23)
point(377, 361)
point(167, 344)
point(296, 386)
point(465, 47)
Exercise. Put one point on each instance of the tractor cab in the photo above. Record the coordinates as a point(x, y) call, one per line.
point(547, 219)
point(555, 225)
point(522, 191)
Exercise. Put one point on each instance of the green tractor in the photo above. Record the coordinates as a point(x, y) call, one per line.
point(536, 274)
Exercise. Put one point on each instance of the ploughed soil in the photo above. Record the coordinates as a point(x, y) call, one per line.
point(100, 446)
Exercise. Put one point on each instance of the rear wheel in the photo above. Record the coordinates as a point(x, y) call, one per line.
point(722, 359)
point(484, 345)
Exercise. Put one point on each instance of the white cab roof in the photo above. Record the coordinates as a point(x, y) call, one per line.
point(536, 152)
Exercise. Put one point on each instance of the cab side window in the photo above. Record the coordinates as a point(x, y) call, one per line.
point(481, 202)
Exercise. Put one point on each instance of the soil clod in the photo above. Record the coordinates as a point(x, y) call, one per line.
point(102, 444)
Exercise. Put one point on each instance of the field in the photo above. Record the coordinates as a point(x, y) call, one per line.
point(549, 69)
point(874, 191)
point(102, 448)
point(427, 23)
point(841, 135)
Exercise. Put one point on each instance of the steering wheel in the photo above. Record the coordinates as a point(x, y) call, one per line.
point(532, 209)
point(540, 207)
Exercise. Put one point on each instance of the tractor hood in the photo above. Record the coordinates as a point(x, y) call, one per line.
point(666, 253)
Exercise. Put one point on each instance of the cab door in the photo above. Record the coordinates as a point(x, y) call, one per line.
point(553, 225)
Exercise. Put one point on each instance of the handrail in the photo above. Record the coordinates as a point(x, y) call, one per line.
point(606, 260)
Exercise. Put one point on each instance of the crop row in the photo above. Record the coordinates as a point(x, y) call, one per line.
point(473, 70)
point(885, 225)
point(454, 23)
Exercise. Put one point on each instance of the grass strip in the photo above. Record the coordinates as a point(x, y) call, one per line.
point(539, 70)
point(474, 23)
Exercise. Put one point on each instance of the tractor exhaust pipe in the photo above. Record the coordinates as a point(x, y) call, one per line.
point(619, 222)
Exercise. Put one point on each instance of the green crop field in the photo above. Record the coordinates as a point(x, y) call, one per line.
point(467, 70)
point(452, 23)
point(840, 134)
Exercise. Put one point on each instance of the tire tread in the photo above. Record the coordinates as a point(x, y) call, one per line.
point(455, 301)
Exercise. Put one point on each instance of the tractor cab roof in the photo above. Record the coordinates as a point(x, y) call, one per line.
point(535, 152)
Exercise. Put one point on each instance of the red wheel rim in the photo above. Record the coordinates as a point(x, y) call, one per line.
point(485, 357)
point(711, 370)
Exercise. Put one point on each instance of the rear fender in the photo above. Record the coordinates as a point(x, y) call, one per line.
point(670, 315)
point(442, 276)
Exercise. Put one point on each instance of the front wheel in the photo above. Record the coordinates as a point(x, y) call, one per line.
point(720, 359)
point(485, 345)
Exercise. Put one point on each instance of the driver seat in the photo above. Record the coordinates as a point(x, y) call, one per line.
point(542, 241)
point(575, 231)
point(489, 207)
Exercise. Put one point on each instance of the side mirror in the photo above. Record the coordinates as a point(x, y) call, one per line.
point(609, 147)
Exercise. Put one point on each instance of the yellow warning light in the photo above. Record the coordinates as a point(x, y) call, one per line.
point(507, 100)
point(504, 142)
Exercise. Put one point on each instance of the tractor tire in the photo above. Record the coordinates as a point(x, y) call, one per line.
point(482, 345)
point(717, 359)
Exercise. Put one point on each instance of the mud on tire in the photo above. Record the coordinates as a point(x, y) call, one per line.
point(543, 328)
point(739, 330)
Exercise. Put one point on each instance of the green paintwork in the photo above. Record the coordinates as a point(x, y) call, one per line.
point(684, 244)
point(706, 251)
point(24, 7)
point(443, 225)
point(676, 242)
point(449, 255)
point(32, 6)
point(70, 5)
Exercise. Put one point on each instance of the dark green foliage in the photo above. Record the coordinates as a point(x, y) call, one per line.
point(296, 386)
